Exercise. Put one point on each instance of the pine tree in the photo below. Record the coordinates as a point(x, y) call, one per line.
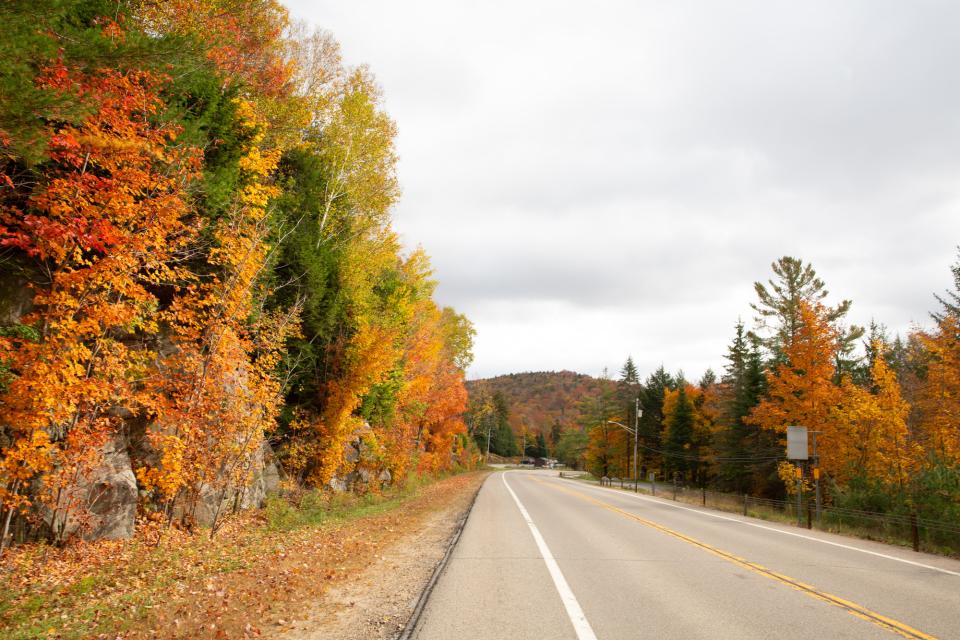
point(742, 389)
point(951, 300)
point(708, 380)
point(503, 441)
point(541, 447)
point(678, 428)
point(778, 307)
point(651, 401)
point(628, 374)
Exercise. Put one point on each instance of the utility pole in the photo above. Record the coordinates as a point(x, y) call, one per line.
point(486, 460)
point(633, 432)
point(799, 492)
point(636, 435)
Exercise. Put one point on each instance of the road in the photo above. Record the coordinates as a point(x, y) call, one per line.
point(548, 558)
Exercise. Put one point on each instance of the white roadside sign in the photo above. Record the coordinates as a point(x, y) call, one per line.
point(797, 443)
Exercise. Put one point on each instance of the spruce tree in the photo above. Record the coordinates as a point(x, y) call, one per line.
point(951, 300)
point(680, 434)
point(651, 401)
point(628, 374)
point(732, 473)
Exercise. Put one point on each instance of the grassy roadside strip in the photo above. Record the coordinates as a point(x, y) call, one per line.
point(256, 575)
point(763, 512)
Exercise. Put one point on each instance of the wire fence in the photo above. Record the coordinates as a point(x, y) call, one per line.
point(909, 529)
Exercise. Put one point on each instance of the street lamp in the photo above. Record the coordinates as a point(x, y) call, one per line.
point(636, 433)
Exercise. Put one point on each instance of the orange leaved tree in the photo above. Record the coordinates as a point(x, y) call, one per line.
point(101, 229)
point(803, 390)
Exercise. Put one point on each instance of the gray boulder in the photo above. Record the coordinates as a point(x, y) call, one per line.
point(103, 504)
point(214, 502)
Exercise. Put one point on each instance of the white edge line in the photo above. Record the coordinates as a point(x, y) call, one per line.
point(775, 530)
point(580, 624)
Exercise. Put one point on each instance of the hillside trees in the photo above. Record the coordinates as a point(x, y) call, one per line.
point(195, 201)
point(97, 231)
point(606, 449)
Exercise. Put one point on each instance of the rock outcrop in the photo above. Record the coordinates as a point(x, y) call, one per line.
point(213, 502)
point(103, 504)
point(361, 466)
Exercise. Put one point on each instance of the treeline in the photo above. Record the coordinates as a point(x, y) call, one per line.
point(490, 418)
point(886, 409)
point(197, 258)
point(537, 400)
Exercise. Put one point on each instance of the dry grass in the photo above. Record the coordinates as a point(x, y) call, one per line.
point(252, 578)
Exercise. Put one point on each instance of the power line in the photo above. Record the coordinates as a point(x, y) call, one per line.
point(698, 458)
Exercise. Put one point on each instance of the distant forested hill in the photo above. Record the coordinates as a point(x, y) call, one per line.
point(536, 400)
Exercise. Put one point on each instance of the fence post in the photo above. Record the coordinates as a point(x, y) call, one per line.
point(915, 530)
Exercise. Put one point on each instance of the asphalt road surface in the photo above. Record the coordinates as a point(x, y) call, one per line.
point(543, 557)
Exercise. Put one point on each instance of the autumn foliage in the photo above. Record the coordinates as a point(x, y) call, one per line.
point(885, 410)
point(195, 211)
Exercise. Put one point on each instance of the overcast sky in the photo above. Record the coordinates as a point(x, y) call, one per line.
point(598, 179)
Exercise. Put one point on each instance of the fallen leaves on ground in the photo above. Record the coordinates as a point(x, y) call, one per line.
point(249, 581)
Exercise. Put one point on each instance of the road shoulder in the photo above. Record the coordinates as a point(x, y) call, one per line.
point(377, 601)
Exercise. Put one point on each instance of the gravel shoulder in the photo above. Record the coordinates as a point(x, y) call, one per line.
point(376, 602)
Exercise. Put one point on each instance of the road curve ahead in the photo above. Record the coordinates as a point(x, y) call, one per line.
point(547, 558)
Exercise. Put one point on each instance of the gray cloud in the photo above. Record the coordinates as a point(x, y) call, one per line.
point(598, 179)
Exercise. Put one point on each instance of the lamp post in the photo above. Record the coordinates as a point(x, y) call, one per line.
point(635, 432)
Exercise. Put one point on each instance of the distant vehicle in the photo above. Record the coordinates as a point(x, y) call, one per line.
point(545, 463)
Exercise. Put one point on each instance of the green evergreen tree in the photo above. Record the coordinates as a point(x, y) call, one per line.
point(651, 422)
point(950, 301)
point(628, 392)
point(503, 442)
point(540, 449)
point(679, 443)
point(708, 380)
point(778, 307)
point(628, 374)
point(740, 444)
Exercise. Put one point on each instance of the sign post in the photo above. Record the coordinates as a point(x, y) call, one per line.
point(797, 451)
point(816, 474)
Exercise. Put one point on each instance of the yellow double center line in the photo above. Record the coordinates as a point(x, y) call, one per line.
point(852, 607)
